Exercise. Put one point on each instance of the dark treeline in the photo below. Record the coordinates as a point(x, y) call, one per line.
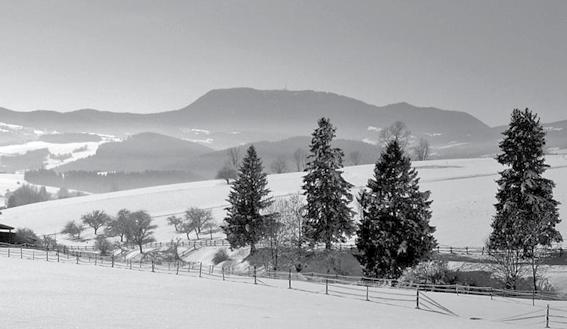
point(95, 182)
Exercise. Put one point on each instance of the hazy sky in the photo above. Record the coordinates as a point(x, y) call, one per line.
point(482, 57)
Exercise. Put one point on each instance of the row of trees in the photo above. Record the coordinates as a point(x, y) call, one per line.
point(96, 182)
point(195, 220)
point(394, 231)
point(134, 228)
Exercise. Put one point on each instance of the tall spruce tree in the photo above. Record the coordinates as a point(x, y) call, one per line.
point(328, 218)
point(245, 223)
point(394, 231)
point(526, 213)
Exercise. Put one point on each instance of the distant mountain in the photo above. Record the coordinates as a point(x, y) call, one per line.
point(145, 151)
point(228, 117)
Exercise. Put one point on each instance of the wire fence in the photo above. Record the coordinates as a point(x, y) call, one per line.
point(383, 291)
point(555, 252)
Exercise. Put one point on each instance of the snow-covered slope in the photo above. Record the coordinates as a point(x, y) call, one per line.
point(462, 192)
point(78, 296)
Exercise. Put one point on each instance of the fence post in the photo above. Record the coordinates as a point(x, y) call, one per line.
point(8, 252)
point(200, 268)
point(95, 259)
point(367, 293)
point(21, 253)
point(57, 256)
point(533, 297)
point(491, 292)
point(177, 271)
point(112, 260)
point(130, 264)
point(417, 297)
point(289, 279)
point(46, 254)
point(326, 286)
point(255, 274)
point(153, 266)
point(33, 254)
point(222, 269)
point(77, 258)
point(547, 317)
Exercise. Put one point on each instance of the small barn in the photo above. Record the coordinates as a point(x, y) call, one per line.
point(6, 234)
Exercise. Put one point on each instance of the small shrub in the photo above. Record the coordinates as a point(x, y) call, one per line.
point(28, 236)
point(103, 245)
point(434, 272)
point(220, 256)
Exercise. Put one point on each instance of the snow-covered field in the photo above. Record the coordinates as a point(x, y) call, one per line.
point(39, 294)
point(77, 150)
point(462, 192)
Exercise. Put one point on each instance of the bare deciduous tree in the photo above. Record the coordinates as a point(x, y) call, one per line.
point(227, 173)
point(279, 165)
point(96, 219)
point(140, 229)
point(354, 157)
point(74, 230)
point(299, 158)
point(234, 156)
point(176, 222)
point(421, 150)
point(396, 131)
point(509, 267)
point(197, 219)
point(119, 225)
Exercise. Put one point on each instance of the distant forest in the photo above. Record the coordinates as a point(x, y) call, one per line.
point(96, 182)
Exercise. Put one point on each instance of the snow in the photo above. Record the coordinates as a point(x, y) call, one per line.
point(462, 191)
point(201, 131)
point(54, 148)
point(10, 126)
point(64, 295)
point(203, 141)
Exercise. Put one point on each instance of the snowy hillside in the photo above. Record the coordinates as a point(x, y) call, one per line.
point(462, 192)
point(125, 298)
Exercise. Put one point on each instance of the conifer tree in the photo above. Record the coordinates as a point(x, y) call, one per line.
point(394, 231)
point(248, 198)
point(328, 216)
point(526, 213)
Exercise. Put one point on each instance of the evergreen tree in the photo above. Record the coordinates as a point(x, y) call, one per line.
point(394, 231)
point(248, 198)
point(526, 213)
point(328, 217)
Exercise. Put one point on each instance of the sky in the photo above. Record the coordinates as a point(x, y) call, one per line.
point(481, 57)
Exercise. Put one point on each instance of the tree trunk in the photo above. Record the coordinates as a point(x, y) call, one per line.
point(534, 269)
point(141, 251)
point(252, 249)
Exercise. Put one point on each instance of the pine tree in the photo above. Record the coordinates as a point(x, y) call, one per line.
point(526, 213)
point(394, 231)
point(248, 198)
point(328, 218)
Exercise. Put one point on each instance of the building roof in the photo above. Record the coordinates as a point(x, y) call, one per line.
point(5, 227)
